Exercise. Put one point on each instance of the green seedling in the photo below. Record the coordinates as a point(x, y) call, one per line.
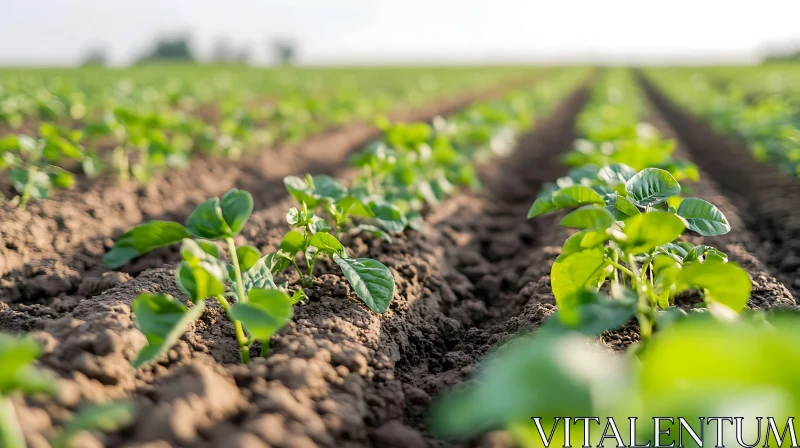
point(628, 237)
point(687, 371)
point(371, 280)
point(18, 375)
point(260, 307)
point(32, 174)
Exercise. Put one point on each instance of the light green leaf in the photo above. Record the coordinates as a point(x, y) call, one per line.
point(724, 283)
point(575, 272)
point(266, 312)
point(326, 242)
point(588, 217)
point(163, 320)
point(703, 217)
point(649, 230)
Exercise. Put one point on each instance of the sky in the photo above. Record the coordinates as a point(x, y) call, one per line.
point(60, 32)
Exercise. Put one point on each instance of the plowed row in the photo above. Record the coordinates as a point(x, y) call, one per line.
point(337, 375)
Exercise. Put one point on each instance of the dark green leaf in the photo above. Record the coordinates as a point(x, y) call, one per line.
point(236, 208)
point(651, 186)
point(703, 217)
point(143, 239)
point(206, 221)
point(371, 280)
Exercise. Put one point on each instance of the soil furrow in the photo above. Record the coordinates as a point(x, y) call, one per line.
point(337, 375)
point(766, 197)
point(54, 248)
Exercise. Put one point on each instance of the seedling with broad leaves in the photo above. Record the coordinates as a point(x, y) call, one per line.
point(627, 237)
point(18, 375)
point(257, 306)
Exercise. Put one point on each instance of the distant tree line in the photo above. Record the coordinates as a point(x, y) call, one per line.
point(179, 49)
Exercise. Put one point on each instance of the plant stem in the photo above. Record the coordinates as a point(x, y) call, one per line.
point(621, 268)
point(28, 190)
point(300, 273)
point(244, 343)
point(642, 291)
point(10, 432)
point(240, 295)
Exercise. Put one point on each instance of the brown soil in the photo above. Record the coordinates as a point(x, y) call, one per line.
point(54, 247)
point(337, 375)
point(767, 198)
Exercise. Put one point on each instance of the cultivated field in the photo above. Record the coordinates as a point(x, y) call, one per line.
point(392, 257)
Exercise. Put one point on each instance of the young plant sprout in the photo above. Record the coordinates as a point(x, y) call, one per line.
point(256, 306)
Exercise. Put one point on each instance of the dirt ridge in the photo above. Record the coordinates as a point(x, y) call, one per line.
point(767, 197)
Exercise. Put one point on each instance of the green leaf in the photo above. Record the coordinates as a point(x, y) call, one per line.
point(237, 205)
point(547, 374)
point(300, 190)
point(575, 196)
point(703, 217)
point(266, 312)
point(649, 230)
point(651, 186)
point(292, 242)
point(573, 243)
point(97, 417)
point(200, 274)
point(616, 173)
point(371, 280)
point(248, 256)
point(704, 253)
point(353, 206)
point(724, 283)
point(326, 243)
point(575, 272)
point(206, 221)
point(278, 261)
point(17, 373)
point(209, 247)
point(260, 274)
point(143, 239)
point(625, 206)
point(592, 312)
point(163, 320)
point(40, 182)
point(389, 217)
point(540, 206)
point(326, 187)
point(588, 217)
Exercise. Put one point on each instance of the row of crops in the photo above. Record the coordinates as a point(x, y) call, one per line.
point(133, 125)
point(755, 104)
point(636, 258)
point(698, 344)
point(410, 170)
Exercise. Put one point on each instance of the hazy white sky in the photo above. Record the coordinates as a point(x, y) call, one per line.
point(378, 31)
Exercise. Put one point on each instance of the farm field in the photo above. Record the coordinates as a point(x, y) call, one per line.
point(392, 257)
